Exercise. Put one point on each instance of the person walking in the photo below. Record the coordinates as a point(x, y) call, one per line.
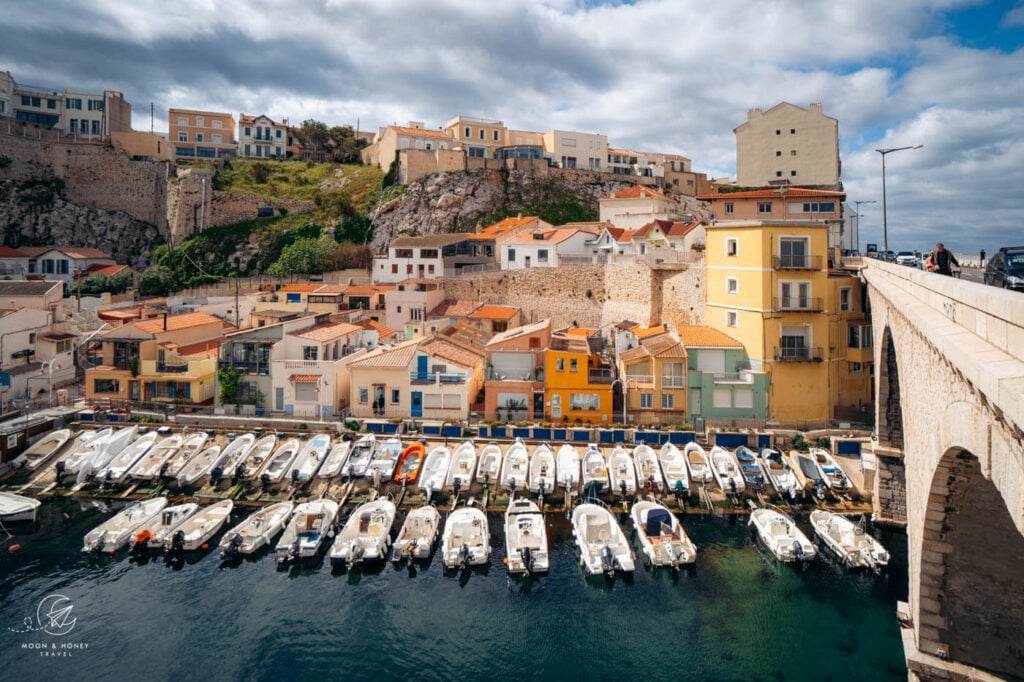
point(941, 261)
point(981, 260)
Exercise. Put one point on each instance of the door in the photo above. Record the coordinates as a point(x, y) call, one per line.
point(694, 401)
point(133, 390)
point(279, 399)
point(416, 398)
point(556, 405)
point(421, 367)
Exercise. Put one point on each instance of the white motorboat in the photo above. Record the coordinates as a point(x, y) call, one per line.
point(848, 541)
point(516, 466)
point(621, 474)
point(595, 469)
point(417, 536)
point(233, 454)
point(280, 462)
point(148, 466)
point(779, 474)
point(662, 538)
point(256, 531)
point(191, 446)
point(435, 470)
point(462, 467)
point(673, 465)
point(199, 465)
point(648, 471)
point(366, 535)
point(195, 531)
point(726, 471)
point(155, 532)
point(310, 525)
point(526, 538)
point(780, 535)
point(118, 467)
point(115, 532)
point(833, 474)
point(466, 540)
point(42, 450)
point(385, 458)
point(335, 459)
point(542, 470)
point(567, 468)
point(602, 544)
point(310, 457)
point(750, 468)
point(697, 461)
point(257, 457)
point(489, 467)
point(87, 445)
point(18, 508)
point(359, 456)
point(101, 456)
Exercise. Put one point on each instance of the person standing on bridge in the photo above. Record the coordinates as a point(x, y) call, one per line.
point(981, 259)
point(941, 261)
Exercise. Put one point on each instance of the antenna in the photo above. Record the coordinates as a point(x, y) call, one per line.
point(150, 118)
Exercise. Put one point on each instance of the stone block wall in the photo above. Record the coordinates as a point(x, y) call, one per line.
point(890, 493)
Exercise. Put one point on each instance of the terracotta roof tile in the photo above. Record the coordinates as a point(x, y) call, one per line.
point(383, 331)
point(553, 236)
point(643, 332)
point(326, 332)
point(445, 350)
point(394, 357)
point(108, 270)
point(494, 312)
point(502, 227)
point(634, 354)
point(155, 325)
point(450, 307)
point(665, 346)
point(300, 288)
point(637, 192)
point(305, 378)
point(700, 336)
point(420, 132)
point(8, 252)
point(522, 330)
point(203, 348)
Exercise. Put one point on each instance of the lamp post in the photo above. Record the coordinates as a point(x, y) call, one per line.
point(856, 215)
point(885, 224)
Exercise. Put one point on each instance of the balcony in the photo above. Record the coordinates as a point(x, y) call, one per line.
point(797, 262)
point(600, 376)
point(673, 381)
point(247, 367)
point(804, 304)
point(798, 354)
point(640, 379)
point(421, 378)
point(746, 377)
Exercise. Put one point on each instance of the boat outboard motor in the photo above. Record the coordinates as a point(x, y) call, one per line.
point(526, 554)
point(234, 547)
point(295, 476)
point(679, 490)
point(540, 487)
point(239, 472)
point(293, 553)
point(265, 482)
point(487, 478)
point(456, 485)
point(61, 467)
point(512, 483)
point(798, 550)
point(464, 556)
point(608, 560)
point(178, 542)
point(819, 489)
point(215, 474)
point(163, 469)
point(622, 487)
point(376, 478)
point(732, 485)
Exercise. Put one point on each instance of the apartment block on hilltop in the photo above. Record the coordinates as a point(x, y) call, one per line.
point(480, 137)
point(84, 115)
point(637, 206)
point(573, 149)
point(390, 140)
point(788, 145)
point(262, 137)
point(200, 134)
point(428, 256)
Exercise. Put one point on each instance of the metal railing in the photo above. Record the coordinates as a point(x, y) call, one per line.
point(798, 354)
point(600, 376)
point(797, 262)
point(799, 303)
point(733, 377)
point(437, 377)
point(640, 378)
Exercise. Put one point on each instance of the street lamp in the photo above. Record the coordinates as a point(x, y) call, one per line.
point(885, 224)
point(856, 215)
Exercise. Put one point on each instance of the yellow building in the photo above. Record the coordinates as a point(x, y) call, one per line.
point(200, 134)
point(770, 287)
point(479, 136)
point(577, 380)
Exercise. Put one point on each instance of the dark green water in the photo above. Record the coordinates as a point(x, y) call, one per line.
point(738, 615)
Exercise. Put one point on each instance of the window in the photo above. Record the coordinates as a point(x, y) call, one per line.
point(560, 364)
point(394, 268)
point(732, 285)
point(858, 336)
point(845, 300)
point(584, 401)
point(792, 174)
point(199, 137)
point(542, 256)
point(248, 131)
point(792, 152)
point(215, 125)
point(764, 207)
point(732, 246)
point(200, 122)
point(794, 343)
point(310, 352)
point(793, 252)
point(668, 401)
point(106, 386)
point(744, 398)
point(778, 132)
point(95, 127)
point(573, 365)
point(722, 397)
point(778, 174)
point(183, 121)
point(646, 401)
point(73, 126)
point(430, 268)
point(792, 131)
point(730, 208)
point(403, 253)
point(396, 396)
point(796, 295)
point(467, 132)
point(483, 134)
point(494, 135)
point(855, 367)
point(511, 254)
point(732, 318)
point(428, 253)
point(216, 138)
point(778, 153)
point(364, 395)
point(568, 141)
point(182, 137)
point(819, 207)
point(673, 375)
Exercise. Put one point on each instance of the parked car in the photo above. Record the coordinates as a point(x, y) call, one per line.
point(1006, 268)
point(906, 258)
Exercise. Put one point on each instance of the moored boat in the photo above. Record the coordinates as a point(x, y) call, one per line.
point(595, 469)
point(466, 540)
point(410, 463)
point(148, 466)
point(89, 442)
point(194, 532)
point(385, 458)
point(435, 470)
point(567, 468)
point(106, 451)
point(280, 462)
point(233, 454)
point(191, 446)
point(257, 457)
point(417, 536)
point(256, 531)
point(115, 532)
point(833, 474)
point(780, 535)
point(515, 468)
point(648, 471)
point(309, 526)
point(199, 465)
point(779, 474)
point(602, 544)
point(489, 466)
point(848, 541)
point(116, 468)
point(366, 535)
point(155, 532)
point(335, 459)
point(462, 467)
point(750, 468)
point(726, 471)
point(310, 457)
point(697, 461)
point(42, 450)
point(526, 538)
point(18, 508)
point(621, 473)
point(812, 475)
point(359, 456)
point(662, 538)
point(542, 470)
point(673, 465)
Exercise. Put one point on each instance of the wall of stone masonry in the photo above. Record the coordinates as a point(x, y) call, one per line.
point(890, 494)
point(681, 295)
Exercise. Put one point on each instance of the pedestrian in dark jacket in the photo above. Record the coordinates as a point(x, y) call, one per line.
point(941, 260)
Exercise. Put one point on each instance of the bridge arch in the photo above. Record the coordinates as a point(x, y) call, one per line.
point(890, 411)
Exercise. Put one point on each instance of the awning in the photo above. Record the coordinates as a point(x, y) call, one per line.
point(304, 378)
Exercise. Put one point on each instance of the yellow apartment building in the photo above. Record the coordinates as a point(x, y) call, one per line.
point(577, 380)
point(200, 134)
point(479, 136)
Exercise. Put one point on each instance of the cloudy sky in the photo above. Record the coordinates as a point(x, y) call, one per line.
point(658, 75)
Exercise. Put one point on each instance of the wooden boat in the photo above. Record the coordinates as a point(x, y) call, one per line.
point(257, 531)
point(417, 536)
point(621, 473)
point(515, 467)
point(848, 541)
point(105, 451)
point(148, 466)
point(88, 444)
point(833, 474)
point(191, 446)
point(310, 457)
point(726, 471)
point(697, 462)
point(462, 467)
point(526, 538)
point(194, 532)
point(280, 462)
point(118, 467)
point(750, 468)
point(435, 470)
point(466, 540)
point(42, 450)
point(662, 538)
point(366, 535)
point(305, 534)
point(602, 544)
point(234, 453)
point(489, 465)
point(17, 508)
point(359, 456)
point(154, 533)
point(673, 465)
point(257, 457)
point(335, 459)
point(115, 532)
point(385, 458)
point(410, 463)
point(648, 471)
point(779, 474)
point(567, 468)
point(780, 535)
point(542, 470)
point(595, 470)
point(199, 465)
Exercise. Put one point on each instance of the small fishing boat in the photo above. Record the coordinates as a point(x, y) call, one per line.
point(18, 508)
point(115, 532)
point(833, 474)
point(194, 532)
point(621, 473)
point(118, 467)
point(779, 474)
point(516, 466)
point(359, 456)
point(280, 462)
point(233, 454)
point(848, 541)
point(155, 533)
point(88, 444)
point(106, 451)
point(662, 538)
point(595, 470)
point(673, 465)
point(366, 535)
point(542, 470)
point(601, 542)
point(410, 463)
point(697, 461)
point(256, 531)
point(567, 467)
point(489, 467)
point(148, 466)
point(812, 474)
point(310, 458)
point(416, 538)
point(526, 538)
point(199, 465)
point(648, 471)
point(780, 535)
point(385, 459)
point(435, 470)
point(462, 467)
point(256, 458)
point(466, 540)
point(42, 450)
point(311, 523)
point(726, 471)
point(191, 446)
point(750, 468)
point(335, 459)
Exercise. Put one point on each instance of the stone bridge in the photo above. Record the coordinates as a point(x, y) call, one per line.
point(949, 368)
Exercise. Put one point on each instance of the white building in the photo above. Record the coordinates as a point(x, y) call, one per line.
point(545, 248)
point(636, 206)
point(571, 149)
point(261, 137)
point(415, 257)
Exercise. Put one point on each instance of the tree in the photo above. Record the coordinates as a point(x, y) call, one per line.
point(313, 133)
point(156, 280)
point(355, 229)
point(96, 284)
point(304, 256)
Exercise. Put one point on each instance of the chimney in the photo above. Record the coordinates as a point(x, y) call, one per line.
point(165, 321)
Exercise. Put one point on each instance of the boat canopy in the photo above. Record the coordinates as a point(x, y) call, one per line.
point(655, 519)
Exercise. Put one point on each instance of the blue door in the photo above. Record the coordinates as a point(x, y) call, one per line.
point(421, 368)
point(417, 404)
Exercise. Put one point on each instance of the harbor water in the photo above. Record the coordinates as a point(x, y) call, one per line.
point(737, 615)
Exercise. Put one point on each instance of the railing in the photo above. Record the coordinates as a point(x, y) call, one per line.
point(733, 377)
point(800, 354)
point(470, 269)
point(800, 303)
point(797, 262)
point(172, 368)
point(640, 378)
point(437, 377)
point(247, 367)
point(672, 381)
point(600, 376)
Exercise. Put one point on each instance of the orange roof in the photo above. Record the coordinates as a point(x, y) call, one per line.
point(644, 332)
point(383, 331)
point(394, 357)
point(247, 118)
point(554, 236)
point(300, 288)
point(445, 350)
point(329, 289)
point(419, 132)
point(368, 289)
point(578, 331)
point(155, 325)
point(768, 193)
point(107, 270)
point(8, 252)
point(637, 192)
point(326, 332)
point(502, 227)
point(453, 308)
point(305, 378)
point(700, 336)
point(495, 312)
point(207, 348)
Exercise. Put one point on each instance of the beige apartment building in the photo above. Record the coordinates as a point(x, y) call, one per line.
point(81, 114)
point(478, 136)
point(391, 139)
point(788, 145)
point(571, 149)
point(200, 134)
